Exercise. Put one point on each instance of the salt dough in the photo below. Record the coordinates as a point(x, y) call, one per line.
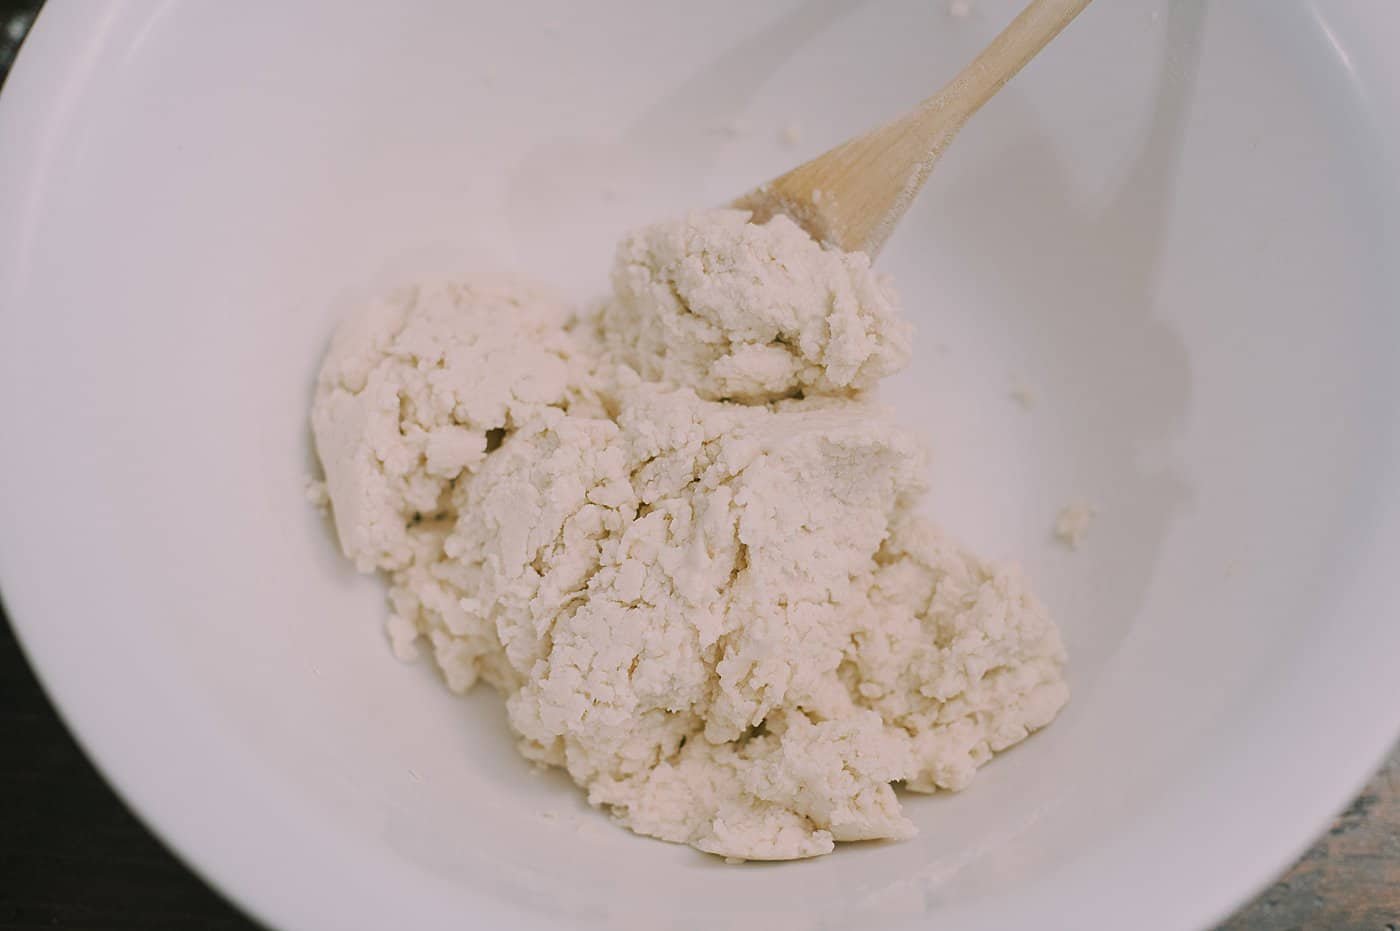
point(680, 538)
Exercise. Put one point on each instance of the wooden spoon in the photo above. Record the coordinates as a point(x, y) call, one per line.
point(853, 195)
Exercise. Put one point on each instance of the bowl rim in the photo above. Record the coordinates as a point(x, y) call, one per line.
point(1197, 889)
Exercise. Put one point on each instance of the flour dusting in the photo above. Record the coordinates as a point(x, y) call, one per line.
point(1073, 521)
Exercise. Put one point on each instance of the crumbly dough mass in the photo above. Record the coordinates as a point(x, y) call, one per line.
point(680, 538)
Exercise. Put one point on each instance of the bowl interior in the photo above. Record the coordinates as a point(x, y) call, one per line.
point(1172, 229)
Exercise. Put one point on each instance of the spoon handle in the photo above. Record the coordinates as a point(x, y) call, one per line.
point(999, 62)
point(853, 195)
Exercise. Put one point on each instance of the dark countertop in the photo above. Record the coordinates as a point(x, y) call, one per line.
point(72, 856)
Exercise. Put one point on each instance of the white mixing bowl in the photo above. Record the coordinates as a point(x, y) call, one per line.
point(1178, 227)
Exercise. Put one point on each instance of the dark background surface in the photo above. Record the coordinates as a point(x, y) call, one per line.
point(73, 856)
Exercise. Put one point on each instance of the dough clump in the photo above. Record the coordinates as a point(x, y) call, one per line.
point(679, 536)
point(751, 313)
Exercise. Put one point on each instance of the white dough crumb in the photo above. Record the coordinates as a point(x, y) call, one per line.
point(1022, 394)
point(734, 861)
point(791, 134)
point(959, 9)
point(680, 538)
point(316, 494)
point(1232, 568)
point(1073, 521)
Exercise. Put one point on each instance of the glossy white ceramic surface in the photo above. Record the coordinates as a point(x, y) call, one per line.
point(1178, 228)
